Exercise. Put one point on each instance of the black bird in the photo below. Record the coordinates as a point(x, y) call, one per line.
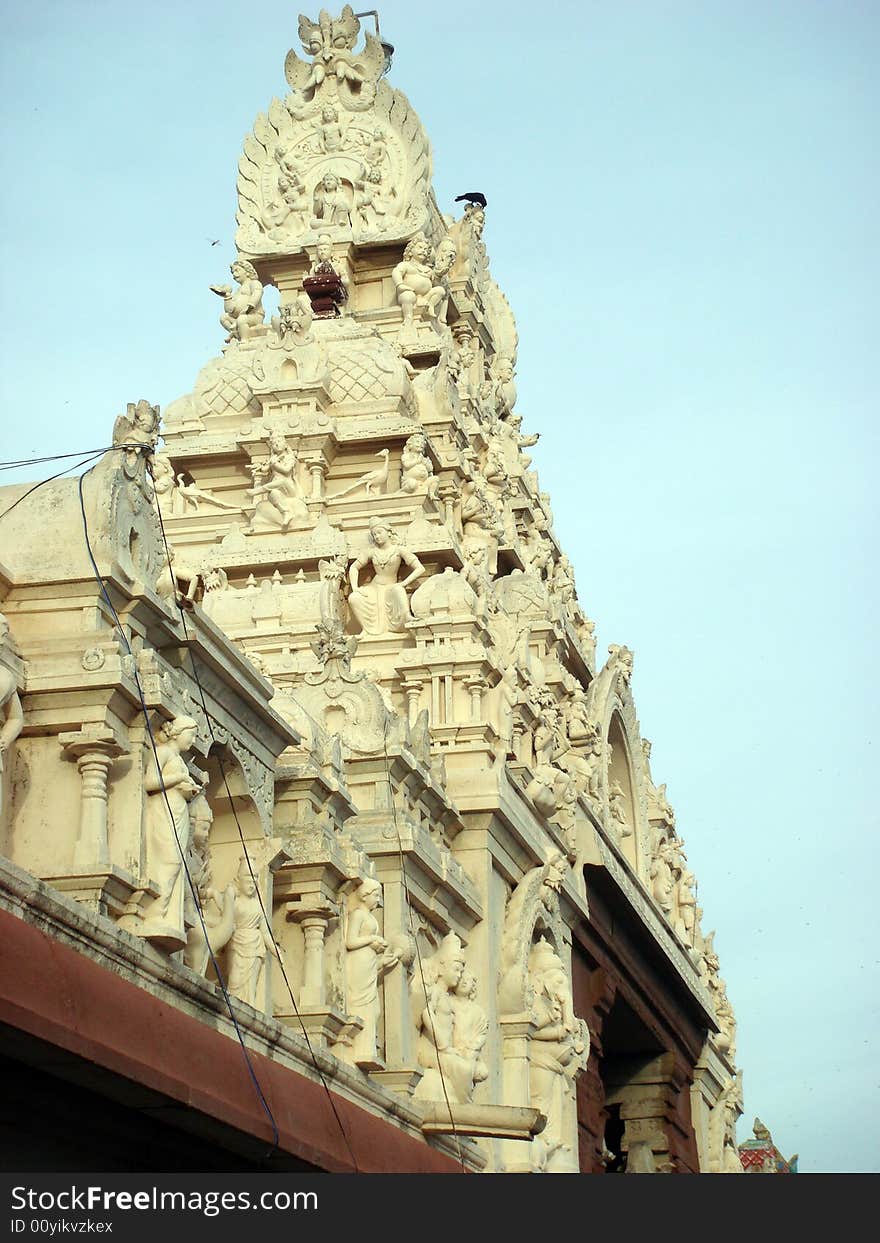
point(473, 196)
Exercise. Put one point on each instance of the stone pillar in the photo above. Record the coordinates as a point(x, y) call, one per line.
point(448, 496)
point(318, 471)
point(412, 688)
point(516, 1034)
point(475, 687)
point(314, 921)
point(93, 753)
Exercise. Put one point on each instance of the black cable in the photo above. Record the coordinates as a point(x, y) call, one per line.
point(57, 457)
point(51, 478)
point(415, 938)
point(244, 845)
point(193, 890)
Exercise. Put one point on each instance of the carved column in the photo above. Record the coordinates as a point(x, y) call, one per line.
point(475, 686)
point(318, 470)
point(412, 688)
point(314, 1011)
point(448, 495)
point(516, 1034)
point(93, 754)
point(314, 921)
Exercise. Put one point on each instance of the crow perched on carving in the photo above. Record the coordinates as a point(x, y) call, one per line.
point(474, 197)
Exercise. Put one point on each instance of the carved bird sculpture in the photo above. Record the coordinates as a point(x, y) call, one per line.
point(472, 196)
point(372, 481)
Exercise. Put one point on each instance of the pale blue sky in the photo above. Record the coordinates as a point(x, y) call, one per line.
point(683, 201)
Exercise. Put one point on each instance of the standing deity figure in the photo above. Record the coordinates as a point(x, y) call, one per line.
point(418, 282)
point(293, 197)
point(503, 385)
point(558, 1051)
point(684, 925)
point(217, 907)
point(661, 877)
point(461, 363)
point(10, 705)
point(276, 493)
point(467, 234)
point(369, 199)
point(251, 941)
point(448, 1070)
point(327, 283)
point(243, 310)
point(617, 807)
point(367, 959)
point(170, 788)
point(330, 129)
point(381, 606)
point(416, 470)
point(470, 1030)
point(563, 580)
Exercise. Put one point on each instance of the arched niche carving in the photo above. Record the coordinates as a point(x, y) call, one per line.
point(238, 854)
point(620, 795)
point(532, 911)
point(612, 708)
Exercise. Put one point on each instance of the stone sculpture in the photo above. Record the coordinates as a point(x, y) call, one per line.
point(372, 481)
point(452, 1027)
point(326, 285)
point(558, 1052)
point(416, 469)
point(332, 203)
point(170, 788)
point(418, 281)
point(367, 959)
point(10, 704)
point(217, 907)
point(251, 941)
point(617, 807)
point(243, 312)
point(381, 605)
point(331, 44)
point(276, 494)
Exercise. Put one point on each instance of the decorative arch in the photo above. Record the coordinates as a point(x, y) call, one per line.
point(612, 707)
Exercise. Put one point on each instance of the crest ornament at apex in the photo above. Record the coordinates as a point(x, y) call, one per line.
point(344, 155)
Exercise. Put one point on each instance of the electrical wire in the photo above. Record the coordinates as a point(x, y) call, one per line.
point(90, 458)
point(192, 887)
point(58, 457)
point(247, 857)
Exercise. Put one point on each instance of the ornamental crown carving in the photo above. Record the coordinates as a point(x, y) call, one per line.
point(344, 154)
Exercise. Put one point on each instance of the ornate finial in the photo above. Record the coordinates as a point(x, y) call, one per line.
point(330, 44)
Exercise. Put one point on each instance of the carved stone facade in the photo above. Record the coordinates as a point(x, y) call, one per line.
point(316, 690)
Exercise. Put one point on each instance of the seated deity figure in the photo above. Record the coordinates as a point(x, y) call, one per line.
point(170, 789)
point(381, 605)
point(243, 312)
point(417, 280)
point(276, 493)
point(332, 205)
point(416, 470)
point(446, 1071)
